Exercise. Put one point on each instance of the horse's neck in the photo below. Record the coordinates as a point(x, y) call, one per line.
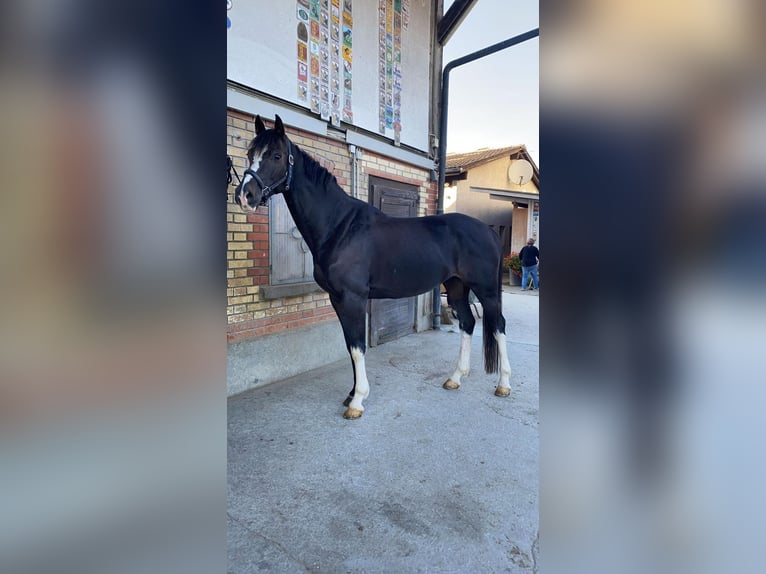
point(316, 207)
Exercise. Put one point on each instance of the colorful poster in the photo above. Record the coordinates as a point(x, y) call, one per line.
point(325, 46)
point(392, 18)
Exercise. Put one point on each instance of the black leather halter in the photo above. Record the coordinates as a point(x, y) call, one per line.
point(269, 190)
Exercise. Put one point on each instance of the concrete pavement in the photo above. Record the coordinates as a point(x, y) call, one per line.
point(428, 480)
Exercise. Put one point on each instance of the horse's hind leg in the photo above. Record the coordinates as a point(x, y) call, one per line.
point(457, 297)
point(495, 346)
point(503, 388)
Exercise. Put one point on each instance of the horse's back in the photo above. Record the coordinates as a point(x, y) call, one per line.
point(466, 236)
point(465, 226)
point(440, 226)
point(413, 255)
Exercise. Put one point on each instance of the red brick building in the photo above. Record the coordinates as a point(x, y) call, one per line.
point(356, 85)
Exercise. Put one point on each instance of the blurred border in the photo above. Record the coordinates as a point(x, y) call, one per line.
point(112, 338)
point(653, 313)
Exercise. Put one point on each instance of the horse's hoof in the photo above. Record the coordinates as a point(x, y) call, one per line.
point(451, 385)
point(352, 413)
point(502, 391)
point(347, 401)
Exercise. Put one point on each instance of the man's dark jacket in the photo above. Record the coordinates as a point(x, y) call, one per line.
point(529, 255)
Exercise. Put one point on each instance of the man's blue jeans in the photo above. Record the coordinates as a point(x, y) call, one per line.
point(526, 273)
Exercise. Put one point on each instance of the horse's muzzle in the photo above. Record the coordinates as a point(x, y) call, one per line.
point(245, 199)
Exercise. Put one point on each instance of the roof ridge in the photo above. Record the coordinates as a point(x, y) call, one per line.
point(466, 159)
point(486, 149)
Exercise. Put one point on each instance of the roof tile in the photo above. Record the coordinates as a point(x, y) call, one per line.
point(472, 158)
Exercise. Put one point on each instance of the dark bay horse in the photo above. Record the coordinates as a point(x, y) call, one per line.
point(361, 253)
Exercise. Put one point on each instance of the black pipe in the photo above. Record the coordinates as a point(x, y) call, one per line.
point(445, 99)
point(443, 129)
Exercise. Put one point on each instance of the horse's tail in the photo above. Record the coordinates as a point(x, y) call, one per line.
point(494, 322)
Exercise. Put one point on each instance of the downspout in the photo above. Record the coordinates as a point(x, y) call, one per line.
point(445, 99)
point(352, 153)
point(443, 105)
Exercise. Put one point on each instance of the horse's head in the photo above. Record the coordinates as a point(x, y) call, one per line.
point(271, 166)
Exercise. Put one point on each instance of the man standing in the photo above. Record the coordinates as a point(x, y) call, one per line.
point(530, 256)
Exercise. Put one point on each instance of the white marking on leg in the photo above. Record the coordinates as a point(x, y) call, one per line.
point(464, 358)
point(361, 385)
point(505, 365)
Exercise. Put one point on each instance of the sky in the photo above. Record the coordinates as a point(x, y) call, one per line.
point(494, 101)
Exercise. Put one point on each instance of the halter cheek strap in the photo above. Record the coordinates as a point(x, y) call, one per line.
point(269, 190)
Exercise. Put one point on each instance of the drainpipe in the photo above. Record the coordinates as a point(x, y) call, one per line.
point(445, 99)
point(443, 128)
point(352, 152)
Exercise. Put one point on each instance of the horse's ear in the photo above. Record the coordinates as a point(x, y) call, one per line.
point(259, 126)
point(278, 126)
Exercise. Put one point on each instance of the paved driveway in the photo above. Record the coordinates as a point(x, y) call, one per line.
point(428, 480)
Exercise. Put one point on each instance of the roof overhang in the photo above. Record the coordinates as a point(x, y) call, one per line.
point(452, 19)
point(452, 174)
point(504, 193)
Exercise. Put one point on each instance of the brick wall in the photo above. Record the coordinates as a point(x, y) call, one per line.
point(247, 235)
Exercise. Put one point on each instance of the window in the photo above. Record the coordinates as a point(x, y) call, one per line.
point(291, 260)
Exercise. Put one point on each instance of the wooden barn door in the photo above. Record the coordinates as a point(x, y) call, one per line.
point(392, 318)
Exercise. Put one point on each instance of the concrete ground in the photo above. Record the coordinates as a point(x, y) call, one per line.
point(428, 480)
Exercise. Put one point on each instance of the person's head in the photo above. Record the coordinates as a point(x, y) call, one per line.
point(531, 241)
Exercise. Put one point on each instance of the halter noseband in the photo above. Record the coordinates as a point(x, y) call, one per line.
point(269, 190)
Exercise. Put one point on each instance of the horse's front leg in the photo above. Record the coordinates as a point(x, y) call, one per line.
point(350, 396)
point(351, 313)
point(361, 385)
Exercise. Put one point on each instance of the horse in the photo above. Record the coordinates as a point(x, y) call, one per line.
point(360, 254)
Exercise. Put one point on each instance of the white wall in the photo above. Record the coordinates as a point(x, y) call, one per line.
point(262, 54)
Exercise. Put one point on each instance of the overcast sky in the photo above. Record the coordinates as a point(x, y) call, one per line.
point(493, 101)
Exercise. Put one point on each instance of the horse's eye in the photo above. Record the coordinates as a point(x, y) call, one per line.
point(277, 156)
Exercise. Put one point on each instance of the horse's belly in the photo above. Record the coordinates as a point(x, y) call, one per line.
point(394, 294)
point(400, 282)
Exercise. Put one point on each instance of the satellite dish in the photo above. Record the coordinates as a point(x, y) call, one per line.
point(520, 171)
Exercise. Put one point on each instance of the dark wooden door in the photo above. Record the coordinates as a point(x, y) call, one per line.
point(392, 318)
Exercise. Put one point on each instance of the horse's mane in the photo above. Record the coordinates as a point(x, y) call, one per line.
point(315, 171)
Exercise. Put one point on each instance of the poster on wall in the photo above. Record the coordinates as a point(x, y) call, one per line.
point(324, 50)
point(390, 26)
point(354, 63)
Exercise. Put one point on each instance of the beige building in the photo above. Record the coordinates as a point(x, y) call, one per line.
point(498, 186)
